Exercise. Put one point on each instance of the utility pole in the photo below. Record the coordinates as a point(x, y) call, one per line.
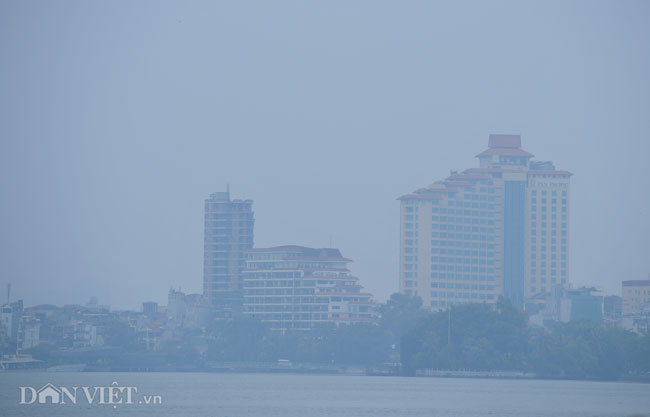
point(449, 338)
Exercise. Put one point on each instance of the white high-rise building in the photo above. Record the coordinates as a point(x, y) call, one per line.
point(500, 229)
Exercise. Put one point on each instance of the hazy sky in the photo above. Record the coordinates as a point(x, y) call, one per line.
point(117, 120)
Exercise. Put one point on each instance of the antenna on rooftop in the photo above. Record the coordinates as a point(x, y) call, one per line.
point(8, 292)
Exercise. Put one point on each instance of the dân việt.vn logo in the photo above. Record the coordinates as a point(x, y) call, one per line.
point(112, 395)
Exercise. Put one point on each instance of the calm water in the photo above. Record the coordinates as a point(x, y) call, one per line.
point(287, 395)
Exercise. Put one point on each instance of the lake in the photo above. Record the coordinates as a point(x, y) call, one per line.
point(289, 395)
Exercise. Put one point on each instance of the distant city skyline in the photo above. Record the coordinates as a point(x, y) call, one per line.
point(112, 136)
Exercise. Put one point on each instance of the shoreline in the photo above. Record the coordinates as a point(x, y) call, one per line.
point(344, 371)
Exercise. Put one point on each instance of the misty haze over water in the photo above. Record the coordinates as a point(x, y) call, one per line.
point(118, 119)
point(325, 208)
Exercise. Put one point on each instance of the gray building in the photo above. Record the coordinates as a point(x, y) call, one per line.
point(499, 229)
point(150, 308)
point(10, 316)
point(228, 233)
point(612, 309)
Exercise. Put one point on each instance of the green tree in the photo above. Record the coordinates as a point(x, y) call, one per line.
point(400, 314)
point(468, 336)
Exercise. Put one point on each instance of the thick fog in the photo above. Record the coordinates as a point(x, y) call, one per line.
point(117, 120)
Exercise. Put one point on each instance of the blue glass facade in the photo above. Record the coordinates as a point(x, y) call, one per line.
point(514, 240)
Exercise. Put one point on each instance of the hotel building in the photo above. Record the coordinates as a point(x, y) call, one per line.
point(499, 229)
point(299, 288)
point(228, 233)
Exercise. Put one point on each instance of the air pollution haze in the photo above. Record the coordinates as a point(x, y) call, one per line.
point(325, 208)
point(118, 119)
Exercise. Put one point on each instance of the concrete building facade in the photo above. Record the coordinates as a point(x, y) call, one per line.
point(228, 233)
point(499, 229)
point(636, 297)
point(10, 316)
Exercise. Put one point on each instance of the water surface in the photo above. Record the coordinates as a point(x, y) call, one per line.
point(292, 395)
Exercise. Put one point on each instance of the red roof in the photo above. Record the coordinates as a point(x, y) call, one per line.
point(491, 170)
point(304, 253)
point(505, 152)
